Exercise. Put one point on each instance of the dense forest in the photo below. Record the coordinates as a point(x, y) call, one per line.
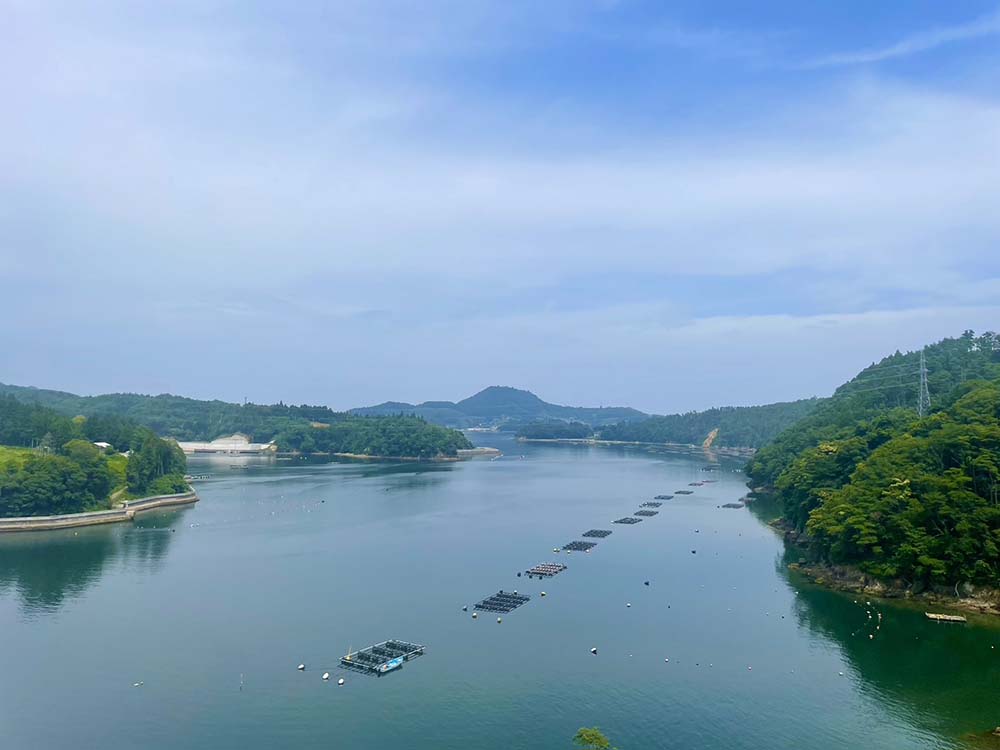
point(50, 465)
point(395, 436)
point(899, 495)
point(303, 428)
point(739, 426)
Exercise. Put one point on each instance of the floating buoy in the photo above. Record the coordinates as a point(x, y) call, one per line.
point(694, 552)
point(137, 684)
point(871, 636)
point(645, 583)
point(543, 593)
point(499, 619)
point(340, 681)
point(666, 660)
point(628, 604)
point(475, 615)
point(593, 650)
point(326, 675)
point(465, 608)
point(518, 575)
point(301, 667)
point(749, 669)
point(555, 549)
point(840, 673)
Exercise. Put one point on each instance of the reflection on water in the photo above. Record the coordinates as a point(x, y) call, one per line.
point(46, 569)
point(286, 562)
point(943, 677)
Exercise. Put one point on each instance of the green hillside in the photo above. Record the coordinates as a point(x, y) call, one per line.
point(875, 485)
point(50, 465)
point(738, 426)
point(302, 428)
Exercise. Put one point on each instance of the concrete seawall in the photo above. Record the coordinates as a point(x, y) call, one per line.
point(115, 515)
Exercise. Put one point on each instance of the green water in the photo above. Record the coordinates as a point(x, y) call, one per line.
point(287, 563)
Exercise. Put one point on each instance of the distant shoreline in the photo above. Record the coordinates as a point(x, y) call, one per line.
point(463, 454)
point(725, 450)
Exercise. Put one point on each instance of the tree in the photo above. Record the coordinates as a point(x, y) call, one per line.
point(591, 737)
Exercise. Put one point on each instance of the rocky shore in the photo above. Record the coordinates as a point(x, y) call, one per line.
point(965, 597)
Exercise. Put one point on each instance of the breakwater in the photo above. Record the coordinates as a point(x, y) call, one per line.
point(93, 518)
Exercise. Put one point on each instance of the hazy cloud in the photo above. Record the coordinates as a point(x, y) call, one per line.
point(355, 204)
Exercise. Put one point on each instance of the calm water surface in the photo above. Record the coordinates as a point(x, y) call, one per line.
point(291, 562)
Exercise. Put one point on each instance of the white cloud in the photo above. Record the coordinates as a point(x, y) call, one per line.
point(924, 41)
point(329, 193)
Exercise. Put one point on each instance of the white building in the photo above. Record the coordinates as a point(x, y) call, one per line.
point(234, 445)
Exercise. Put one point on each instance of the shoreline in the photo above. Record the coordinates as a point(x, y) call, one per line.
point(724, 450)
point(981, 600)
point(961, 597)
point(463, 454)
point(126, 512)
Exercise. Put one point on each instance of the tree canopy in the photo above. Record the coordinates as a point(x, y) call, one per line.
point(294, 428)
point(58, 469)
point(901, 496)
point(739, 426)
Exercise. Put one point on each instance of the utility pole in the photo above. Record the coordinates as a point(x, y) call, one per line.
point(924, 398)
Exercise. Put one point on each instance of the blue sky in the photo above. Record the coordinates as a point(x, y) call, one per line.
point(664, 205)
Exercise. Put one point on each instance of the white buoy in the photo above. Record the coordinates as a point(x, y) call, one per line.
point(137, 684)
point(340, 681)
point(543, 593)
point(475, 615)
point(593, 650)
point(666, 661)
point(326, 676)
point(301, 667)
point(840, 673)
point(628, 604)
point(499, 619)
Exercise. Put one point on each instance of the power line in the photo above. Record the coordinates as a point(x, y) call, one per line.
point(884, 376)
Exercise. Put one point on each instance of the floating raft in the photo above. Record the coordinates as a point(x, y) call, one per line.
point(944, 618)
point(647, 513)
point(695, 484)
point(502, 601)
point(629, 519)
point(664, 497)
point(579, 546)
point(651, 505)
point(546, 569)
point(597, 533)
point(734, 505)
point(382, 657)
point(684, 492)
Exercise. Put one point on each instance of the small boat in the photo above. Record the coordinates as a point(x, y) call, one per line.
point(944, 618)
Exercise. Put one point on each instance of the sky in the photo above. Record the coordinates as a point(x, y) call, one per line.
point(669, 206)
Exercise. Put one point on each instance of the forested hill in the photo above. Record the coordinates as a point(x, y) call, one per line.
point(304, 428)
point(739, 426)
point(49, 463)
point(502, 405)
point(898, 495)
